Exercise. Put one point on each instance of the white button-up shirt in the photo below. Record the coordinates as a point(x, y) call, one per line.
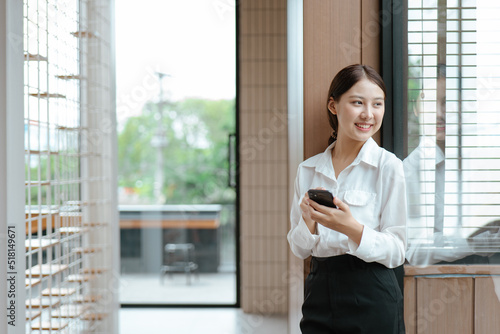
point(373, 186)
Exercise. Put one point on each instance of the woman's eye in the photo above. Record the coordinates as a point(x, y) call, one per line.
point(357, 102)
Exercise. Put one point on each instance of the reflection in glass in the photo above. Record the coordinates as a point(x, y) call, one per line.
point(453, 165)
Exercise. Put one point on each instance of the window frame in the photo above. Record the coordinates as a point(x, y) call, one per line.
point(394, 57)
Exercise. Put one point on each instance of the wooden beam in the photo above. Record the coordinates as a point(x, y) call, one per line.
point(164, 224)
point(449, 269)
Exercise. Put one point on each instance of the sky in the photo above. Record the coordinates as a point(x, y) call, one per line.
point(192, 41)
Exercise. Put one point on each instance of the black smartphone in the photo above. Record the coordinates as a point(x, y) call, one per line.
point(323, 197)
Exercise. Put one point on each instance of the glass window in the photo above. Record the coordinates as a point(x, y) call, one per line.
point(453, 162)
point(176, 110)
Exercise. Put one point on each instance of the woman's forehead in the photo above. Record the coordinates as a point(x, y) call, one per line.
point(365, 88)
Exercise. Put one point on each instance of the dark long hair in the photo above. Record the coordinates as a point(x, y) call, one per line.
point(343, 81)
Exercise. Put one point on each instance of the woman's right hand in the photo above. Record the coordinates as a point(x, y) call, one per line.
point(306, 213)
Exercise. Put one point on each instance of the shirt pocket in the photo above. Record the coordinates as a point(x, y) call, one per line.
point(362, 206)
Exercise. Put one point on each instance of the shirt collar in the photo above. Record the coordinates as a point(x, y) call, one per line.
point(369, 154)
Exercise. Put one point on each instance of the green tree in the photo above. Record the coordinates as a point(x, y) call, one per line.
point(195, 157)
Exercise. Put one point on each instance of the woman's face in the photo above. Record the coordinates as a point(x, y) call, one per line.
point(359, 111)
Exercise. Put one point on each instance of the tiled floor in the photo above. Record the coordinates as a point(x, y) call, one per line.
point(218, 288)
point(208, 289)
point(194, 321)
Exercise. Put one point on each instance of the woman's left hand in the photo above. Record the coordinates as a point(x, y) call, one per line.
point(340, 220)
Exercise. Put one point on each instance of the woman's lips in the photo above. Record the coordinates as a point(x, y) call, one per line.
point(363, 126)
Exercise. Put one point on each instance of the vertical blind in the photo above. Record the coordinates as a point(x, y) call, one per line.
point(453, 163)
point(67, 165)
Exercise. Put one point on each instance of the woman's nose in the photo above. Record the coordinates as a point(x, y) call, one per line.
point(367, 113)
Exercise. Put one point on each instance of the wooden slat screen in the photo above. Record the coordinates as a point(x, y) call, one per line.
point(68, 106)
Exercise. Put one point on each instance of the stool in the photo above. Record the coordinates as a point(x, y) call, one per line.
point(180, 258)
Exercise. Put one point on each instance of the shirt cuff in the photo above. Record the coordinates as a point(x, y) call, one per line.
point(364, 250)
point(304, 237)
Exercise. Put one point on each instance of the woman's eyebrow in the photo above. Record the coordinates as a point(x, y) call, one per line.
point(356, 97)
point(363, 98)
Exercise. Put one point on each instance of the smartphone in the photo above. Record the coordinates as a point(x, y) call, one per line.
point(323, 197)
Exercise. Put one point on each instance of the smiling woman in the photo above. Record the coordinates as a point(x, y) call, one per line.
point(354, 246)
point(359, 111)
point(347, 80)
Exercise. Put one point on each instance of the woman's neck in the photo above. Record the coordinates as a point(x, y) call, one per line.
point(347, 149)
point(343, 154)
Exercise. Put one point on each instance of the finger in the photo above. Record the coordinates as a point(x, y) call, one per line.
point(317, 215)
point(341, 205)
point(313, 204)
point(318, 207)
point(305, 199)
point(304, 205)
point(320, 188)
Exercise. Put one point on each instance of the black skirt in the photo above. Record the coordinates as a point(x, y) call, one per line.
point(346, 295)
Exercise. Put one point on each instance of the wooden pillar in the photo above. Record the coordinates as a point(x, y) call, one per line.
point(336, 33)
point(263, 156)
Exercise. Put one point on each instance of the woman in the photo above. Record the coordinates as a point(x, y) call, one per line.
point(350, 287)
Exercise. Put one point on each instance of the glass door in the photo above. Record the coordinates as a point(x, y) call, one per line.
point(176, 88)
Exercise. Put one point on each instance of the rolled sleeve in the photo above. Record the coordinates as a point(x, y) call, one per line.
point(301, 240)
point(385, 247)
point(365, 247)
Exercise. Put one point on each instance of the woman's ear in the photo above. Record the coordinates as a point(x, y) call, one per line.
point(331, 106)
